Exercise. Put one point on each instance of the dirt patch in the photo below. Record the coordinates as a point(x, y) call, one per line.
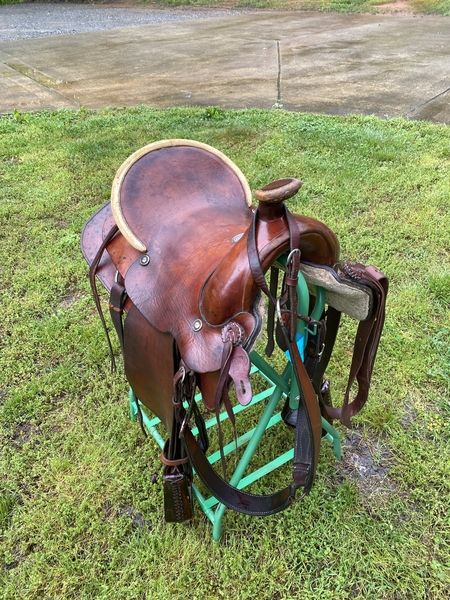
point(409, 416)
point(3, 395)
point(366, 462)
point(68, 300)
point(137, 519)
point(398, 7)
point(17, 558)
point(24, 433)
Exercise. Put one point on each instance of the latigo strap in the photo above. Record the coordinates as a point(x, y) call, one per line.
point(366, 343)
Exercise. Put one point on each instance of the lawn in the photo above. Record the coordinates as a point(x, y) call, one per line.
point(438, 7)
point(79, 515)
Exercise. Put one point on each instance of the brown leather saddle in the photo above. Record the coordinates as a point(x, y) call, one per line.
point(184, 254)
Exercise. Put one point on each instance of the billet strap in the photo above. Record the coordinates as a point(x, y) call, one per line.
point(221, 396)
point(366, 342)
point(270, 346)
point(332, 322)
point(117, 298)
point(92, 280)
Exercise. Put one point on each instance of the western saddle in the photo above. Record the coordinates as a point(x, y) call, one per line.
point(184, 255)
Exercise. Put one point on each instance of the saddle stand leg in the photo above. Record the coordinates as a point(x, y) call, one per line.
point(210, 506)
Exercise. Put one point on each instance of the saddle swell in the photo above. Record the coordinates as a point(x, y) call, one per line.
point(183, 254)
point(219, 297)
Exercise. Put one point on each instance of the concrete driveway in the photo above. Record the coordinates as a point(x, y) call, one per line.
point(330, 63)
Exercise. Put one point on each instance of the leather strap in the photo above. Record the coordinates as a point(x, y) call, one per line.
point(230, 496)
point(332, 322)
point(92, 280)
point(362, 364)
point(366, 344)
point(303, 469)
point(270, 346)
point(309, 427)
point(117, 299)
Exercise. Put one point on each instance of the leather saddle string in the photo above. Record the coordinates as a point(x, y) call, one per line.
point(222, 395)
point(92, 280)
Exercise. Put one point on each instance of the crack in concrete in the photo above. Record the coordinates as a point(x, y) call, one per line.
point(279, 103)
point(415, 111)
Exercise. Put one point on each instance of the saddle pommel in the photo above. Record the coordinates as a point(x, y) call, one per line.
point(272, 196)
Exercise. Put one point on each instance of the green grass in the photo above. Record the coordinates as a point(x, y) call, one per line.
point(75, 473)
point(438, 7)
point(429, 7)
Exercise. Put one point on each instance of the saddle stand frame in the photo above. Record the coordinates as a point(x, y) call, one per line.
point(283, 385)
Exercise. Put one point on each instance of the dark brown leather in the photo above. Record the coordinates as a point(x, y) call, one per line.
point(366, 342)
point(149, 365)
point(231, 287)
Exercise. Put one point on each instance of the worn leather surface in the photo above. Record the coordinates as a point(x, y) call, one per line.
point(190, 210)
point(148, 357)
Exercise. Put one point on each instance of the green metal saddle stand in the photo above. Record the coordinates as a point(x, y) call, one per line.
point(278, 386)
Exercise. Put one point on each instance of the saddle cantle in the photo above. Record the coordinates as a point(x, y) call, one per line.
point(184, 254)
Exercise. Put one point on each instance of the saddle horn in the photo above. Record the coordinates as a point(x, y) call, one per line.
point(272, 196)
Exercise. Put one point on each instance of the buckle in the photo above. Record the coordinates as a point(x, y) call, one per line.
point(180, 375)
point(291, 254)
point(319, 354)
point(279, 315)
